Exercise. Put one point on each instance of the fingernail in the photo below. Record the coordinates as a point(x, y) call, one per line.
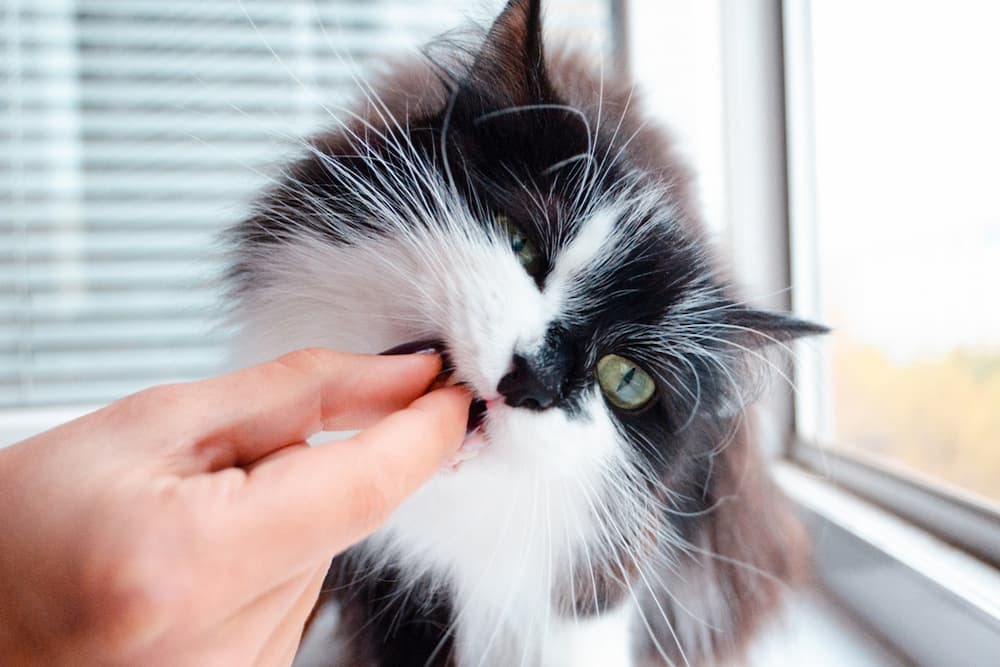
point(415, 347)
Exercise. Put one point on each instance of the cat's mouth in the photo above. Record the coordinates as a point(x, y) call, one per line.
point(477, 409)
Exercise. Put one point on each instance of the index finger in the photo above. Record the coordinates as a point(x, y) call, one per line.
point(238, 418)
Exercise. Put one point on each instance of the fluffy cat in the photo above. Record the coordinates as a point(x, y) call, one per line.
point(510, 205)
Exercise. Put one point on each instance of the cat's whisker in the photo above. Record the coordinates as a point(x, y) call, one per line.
point(744, 565)
point(463, 611)
point(409, 154)
point(446, 123)
point(548, 171)
point(614, 136)
point(622, 150)
point(534, 196)
point(752, 333)
point(291, 74)
point(604, 525)
point(659, 559)
point(533, 523)
point(748, 351)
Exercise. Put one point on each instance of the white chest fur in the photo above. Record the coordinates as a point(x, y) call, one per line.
point(503, 536)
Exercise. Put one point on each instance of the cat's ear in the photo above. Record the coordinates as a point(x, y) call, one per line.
point(511, 62)
point(759, 328)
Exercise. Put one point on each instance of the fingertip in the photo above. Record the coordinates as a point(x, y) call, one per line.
point(449, 407)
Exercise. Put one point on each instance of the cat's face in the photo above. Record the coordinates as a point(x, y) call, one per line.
point(516, 210)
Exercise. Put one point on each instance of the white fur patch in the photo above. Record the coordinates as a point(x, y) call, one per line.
point(601, 641)
point(594, 237)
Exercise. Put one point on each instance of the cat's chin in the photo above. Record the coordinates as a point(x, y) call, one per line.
point(476, 437)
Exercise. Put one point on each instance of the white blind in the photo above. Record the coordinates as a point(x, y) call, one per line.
point(131, 132)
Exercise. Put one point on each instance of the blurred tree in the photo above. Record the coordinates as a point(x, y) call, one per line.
point(938, 416)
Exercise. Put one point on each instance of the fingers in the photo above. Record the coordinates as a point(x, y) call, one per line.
point(315, 502)
point(238, 418)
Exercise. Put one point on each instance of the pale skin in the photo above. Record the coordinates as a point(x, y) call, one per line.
point(190, 524)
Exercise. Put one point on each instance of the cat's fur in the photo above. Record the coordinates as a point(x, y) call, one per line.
point(582, 533)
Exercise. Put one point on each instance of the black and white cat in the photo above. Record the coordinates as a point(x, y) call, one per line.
point(511, 205)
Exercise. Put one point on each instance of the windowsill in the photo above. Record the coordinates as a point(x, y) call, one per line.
point(955, 516)
point(816, 632)
point(932, 602)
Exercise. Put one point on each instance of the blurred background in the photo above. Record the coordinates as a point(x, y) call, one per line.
point(908, 220)
point(846, 153)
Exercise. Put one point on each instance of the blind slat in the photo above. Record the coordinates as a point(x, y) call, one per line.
point(435, 15)
point(94, 306)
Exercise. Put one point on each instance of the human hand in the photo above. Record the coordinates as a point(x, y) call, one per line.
point(190, 524)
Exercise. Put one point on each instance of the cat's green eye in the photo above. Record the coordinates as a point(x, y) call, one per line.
point(522, 246)
point(624, 383)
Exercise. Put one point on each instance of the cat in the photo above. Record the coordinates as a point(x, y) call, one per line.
point(510, 205)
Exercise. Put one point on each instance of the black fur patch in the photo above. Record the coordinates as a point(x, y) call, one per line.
point(387, 625)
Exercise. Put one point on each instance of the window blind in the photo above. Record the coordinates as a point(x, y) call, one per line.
point(132, 132)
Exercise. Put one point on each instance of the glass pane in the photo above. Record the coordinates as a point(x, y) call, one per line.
point(907, 139)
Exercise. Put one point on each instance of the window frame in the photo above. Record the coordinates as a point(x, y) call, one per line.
point(847, 497)
point(956, 517)
point(931, 603)
point(949, 513)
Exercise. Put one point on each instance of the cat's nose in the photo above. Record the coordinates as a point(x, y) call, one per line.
point(531, 386)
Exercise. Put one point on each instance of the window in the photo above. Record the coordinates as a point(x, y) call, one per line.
point(907, 236)
point(895, 241)
point(131, 133)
